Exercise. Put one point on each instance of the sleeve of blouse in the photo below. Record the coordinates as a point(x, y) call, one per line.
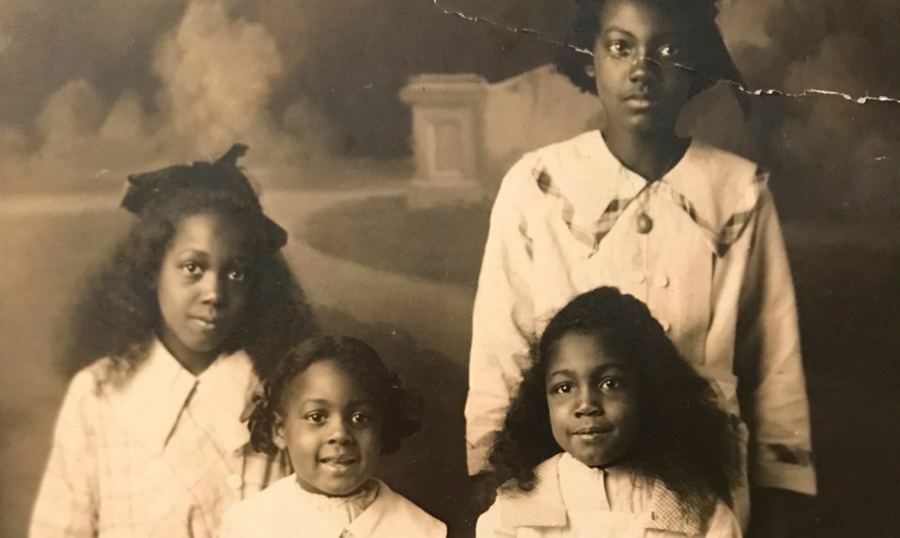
point(502, 319)
point(769, 365)
point(488, 525)
point(66, 505)
point(723, 524)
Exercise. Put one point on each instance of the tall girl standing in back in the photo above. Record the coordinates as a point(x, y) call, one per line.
point(689, 229)
point(193, 304)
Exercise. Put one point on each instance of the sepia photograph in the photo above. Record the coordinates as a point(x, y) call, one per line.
point(449, 268)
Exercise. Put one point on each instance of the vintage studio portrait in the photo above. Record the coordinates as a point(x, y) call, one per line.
point(449, 268)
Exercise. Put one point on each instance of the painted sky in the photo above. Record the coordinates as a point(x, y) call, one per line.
point(86, 79)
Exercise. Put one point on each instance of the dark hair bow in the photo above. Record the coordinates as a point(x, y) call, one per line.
point(154, 188)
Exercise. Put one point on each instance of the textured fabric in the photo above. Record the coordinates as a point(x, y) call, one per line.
point(151, 450)
point(342, 510)
point(713, 270)
point(573, 500)
point(284, 509)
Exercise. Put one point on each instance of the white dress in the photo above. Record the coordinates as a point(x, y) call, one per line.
point(150, 449)
point(285, 509)
point(572, 500)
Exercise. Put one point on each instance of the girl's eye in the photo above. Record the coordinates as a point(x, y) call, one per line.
point(562, 388)
point(316, 417)
point(237, 275)
point(191, 268)
point(610, 383)
point(618, 49)
point(360, 418)
point(667, 52)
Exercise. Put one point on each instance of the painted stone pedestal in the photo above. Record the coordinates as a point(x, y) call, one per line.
point(447, 129)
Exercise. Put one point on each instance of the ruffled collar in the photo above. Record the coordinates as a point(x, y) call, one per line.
point(545, 505)
point(340, 510)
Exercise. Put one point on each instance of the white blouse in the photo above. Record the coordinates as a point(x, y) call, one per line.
point(712, 269)
point(286, 509)
point(572, 500)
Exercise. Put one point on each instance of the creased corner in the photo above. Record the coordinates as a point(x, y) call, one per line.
point(537, 34)
point(755, 92)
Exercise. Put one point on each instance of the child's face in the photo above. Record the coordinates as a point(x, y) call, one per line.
point(592, 400)
point(331, 429)
point(635, 53)
point(202, 286)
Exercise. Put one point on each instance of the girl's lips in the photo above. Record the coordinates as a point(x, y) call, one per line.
point(641, 102)
point(340, 460)
point(204, 323)
point(593, 430)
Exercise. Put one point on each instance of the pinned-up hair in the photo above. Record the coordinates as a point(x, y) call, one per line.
point(116, 312)
point(713, 63)
point(401, 408)
point(155, 191)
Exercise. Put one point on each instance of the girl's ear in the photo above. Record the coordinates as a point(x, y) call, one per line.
point(589, 70)
point(278, 432)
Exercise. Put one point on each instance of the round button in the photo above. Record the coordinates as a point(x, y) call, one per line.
point(639, 277)
point(661, 281)
point(234, 481)
point(644, 223)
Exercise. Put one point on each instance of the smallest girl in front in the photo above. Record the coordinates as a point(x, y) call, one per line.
point(334, 407)
point(612, 434)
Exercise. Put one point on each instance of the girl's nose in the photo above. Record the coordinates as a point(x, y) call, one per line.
point(639, 68)
point(214, 291)
point(588, 406)
point(339, 434)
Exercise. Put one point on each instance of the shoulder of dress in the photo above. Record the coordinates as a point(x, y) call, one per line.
point(542, 506)
point(264, 500)
point(567, 153)
point(411, 515)
point(724, 170)
point(718, 190)
point(94, 378)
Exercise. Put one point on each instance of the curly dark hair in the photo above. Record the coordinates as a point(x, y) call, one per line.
point(711, 60)
point(685, 440)
point(401, 408)
point(117, 312)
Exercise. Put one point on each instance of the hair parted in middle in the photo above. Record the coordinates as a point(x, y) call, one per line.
point(684, 440)
point(401, 408)
point(711, 62)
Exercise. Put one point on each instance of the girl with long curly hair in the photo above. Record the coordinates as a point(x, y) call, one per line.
point(335, 409)
point(193, 305)
point(613, 434)
point(689, 229)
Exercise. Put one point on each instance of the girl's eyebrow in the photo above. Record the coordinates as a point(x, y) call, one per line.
point(193, 252)
point(325, 402)
point(569, 373)
point(316, 401)
point(615, 29)
point(611, 366)
point(663, 35)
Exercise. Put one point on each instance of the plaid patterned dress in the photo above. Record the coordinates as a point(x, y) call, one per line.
point(151, 450)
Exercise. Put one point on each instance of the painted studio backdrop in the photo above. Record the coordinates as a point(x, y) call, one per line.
point(378, 133)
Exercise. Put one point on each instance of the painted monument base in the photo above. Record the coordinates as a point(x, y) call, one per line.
point(426, 194)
